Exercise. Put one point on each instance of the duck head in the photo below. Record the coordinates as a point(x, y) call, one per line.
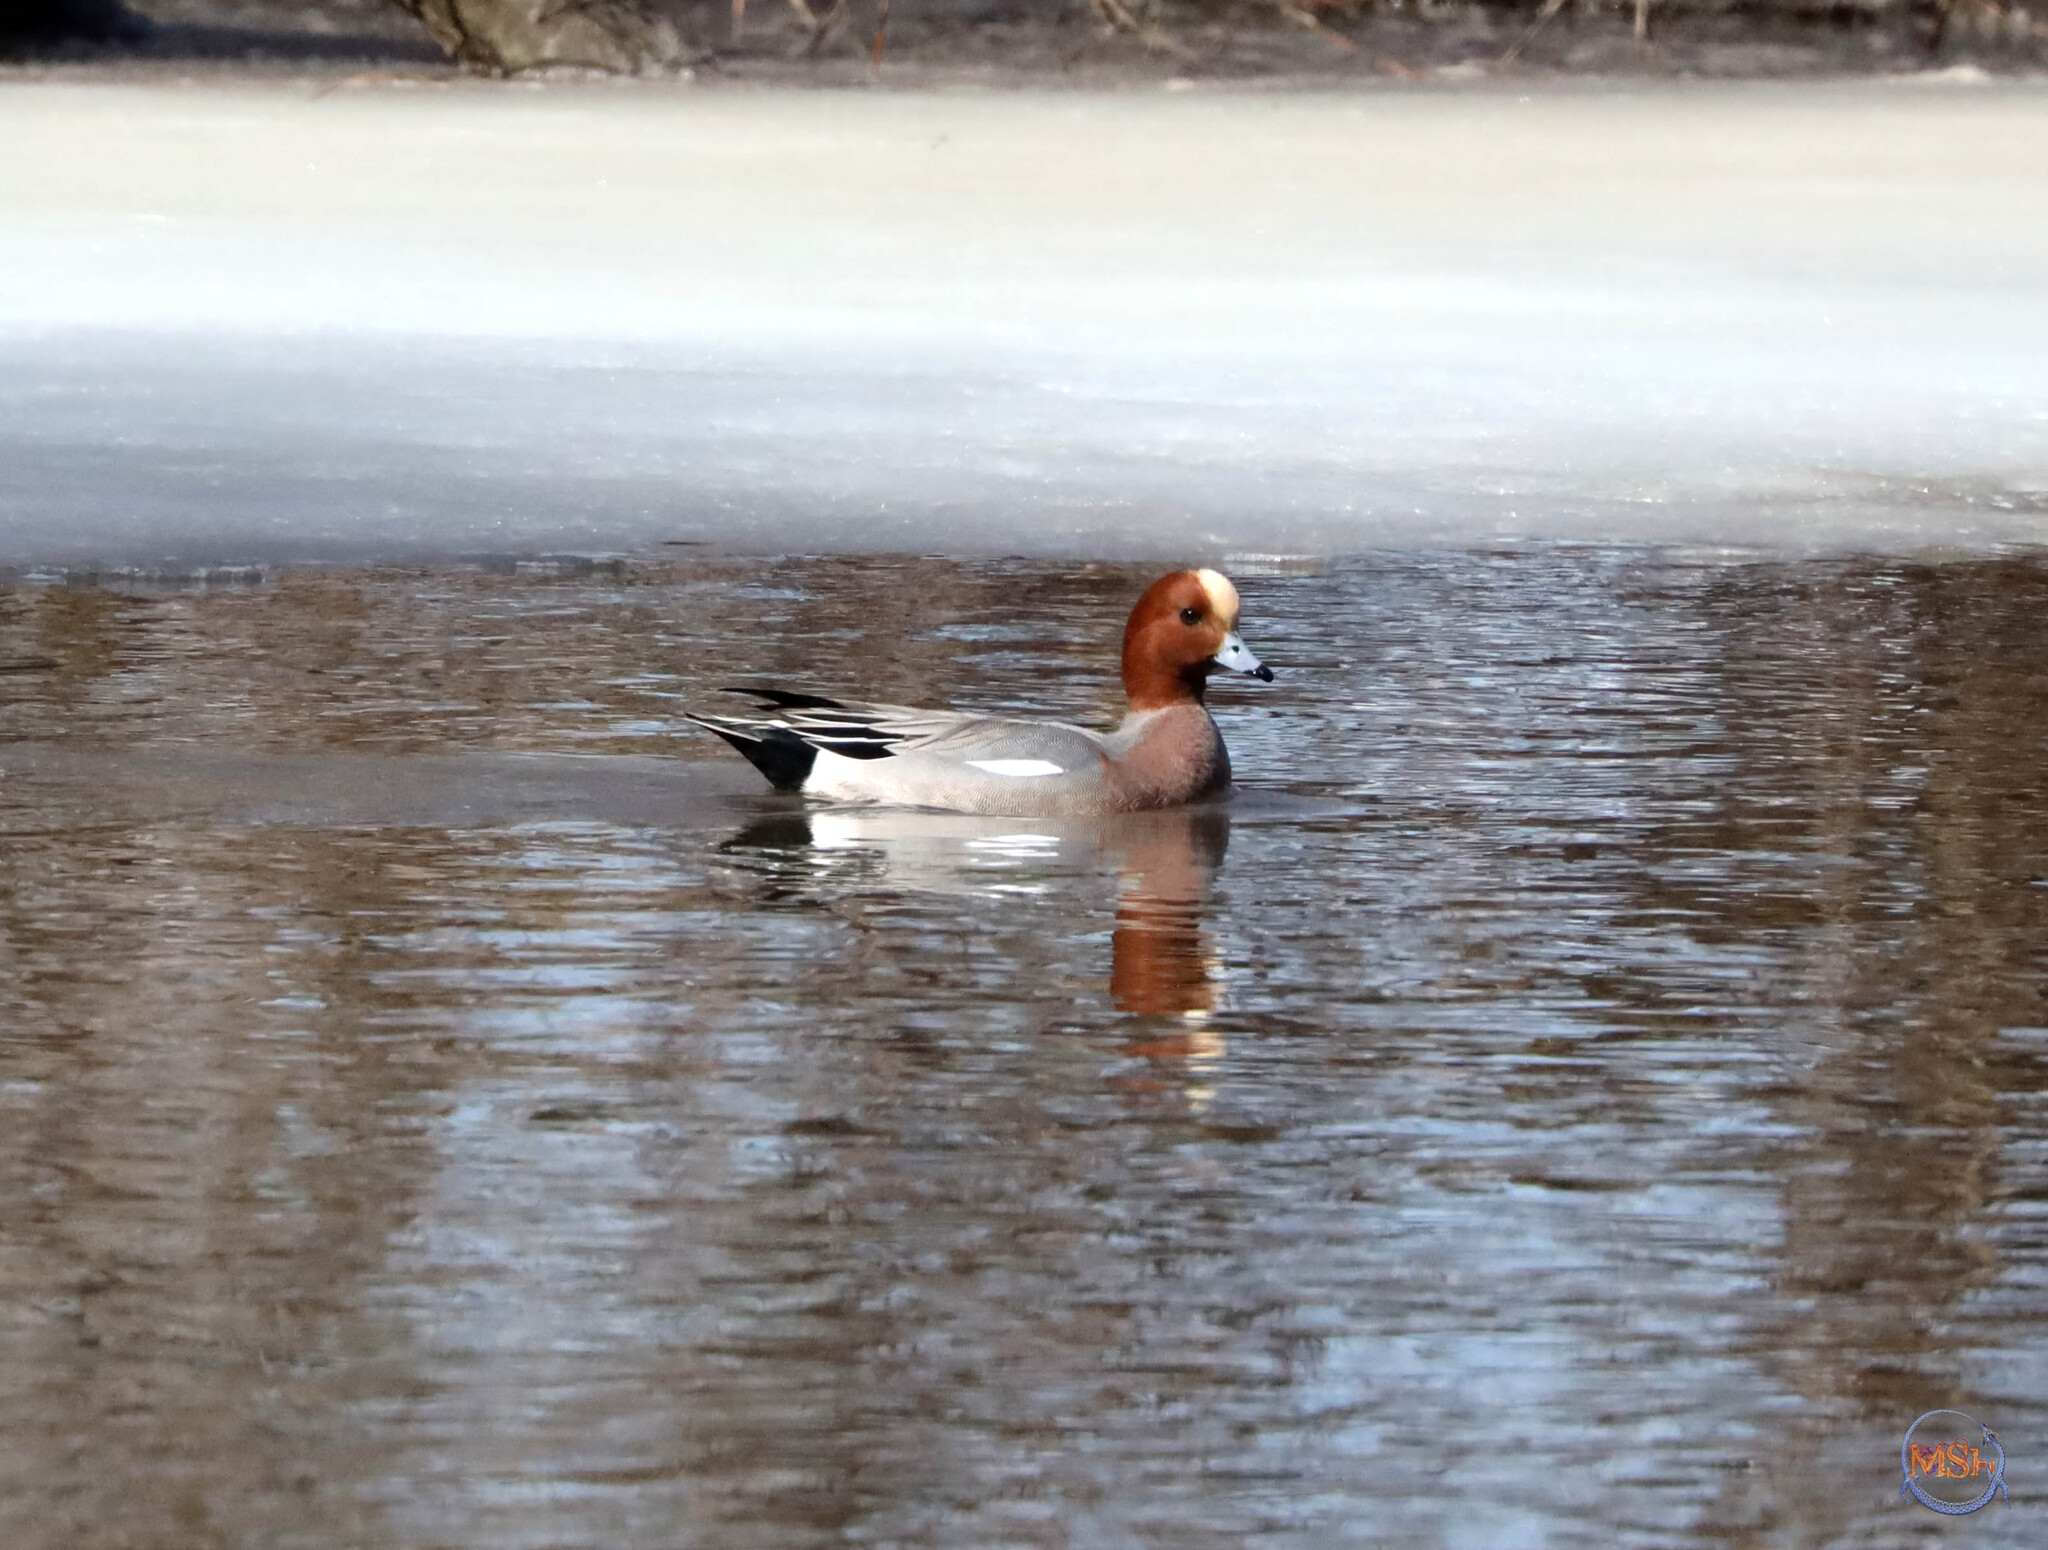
point(1183, 629)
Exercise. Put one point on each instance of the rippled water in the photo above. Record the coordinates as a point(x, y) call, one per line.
point(1589, 1087)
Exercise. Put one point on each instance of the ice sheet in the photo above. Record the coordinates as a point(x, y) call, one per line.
point(269, 323)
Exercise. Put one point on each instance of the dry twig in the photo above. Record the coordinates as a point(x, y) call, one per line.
point(1301, 16)
point(1514, 51)
point(1119, 17)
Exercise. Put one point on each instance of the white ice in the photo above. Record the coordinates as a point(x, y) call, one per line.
point(246, 323)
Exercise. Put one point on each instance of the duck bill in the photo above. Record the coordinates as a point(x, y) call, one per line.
point(1237, 657)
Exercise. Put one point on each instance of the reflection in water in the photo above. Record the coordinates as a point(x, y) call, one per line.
point(1597, 1098)
point(1163, 863)
point(1161, 961)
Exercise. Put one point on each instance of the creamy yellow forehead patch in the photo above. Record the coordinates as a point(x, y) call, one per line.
point(1222, 596)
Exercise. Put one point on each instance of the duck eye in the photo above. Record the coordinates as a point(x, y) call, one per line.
point(1191, 616)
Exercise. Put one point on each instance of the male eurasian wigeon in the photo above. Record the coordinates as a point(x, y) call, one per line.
point(1167, 751)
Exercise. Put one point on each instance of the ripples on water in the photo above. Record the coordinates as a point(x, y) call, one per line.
point(1587, 1088)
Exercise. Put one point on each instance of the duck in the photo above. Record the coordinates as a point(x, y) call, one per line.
point(1168, 751)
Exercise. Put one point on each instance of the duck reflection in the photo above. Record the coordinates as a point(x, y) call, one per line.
point(1161, 961)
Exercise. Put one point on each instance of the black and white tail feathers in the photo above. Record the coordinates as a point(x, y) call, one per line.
point(785, 747)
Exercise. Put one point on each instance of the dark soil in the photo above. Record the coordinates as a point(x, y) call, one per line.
point(1053, 42)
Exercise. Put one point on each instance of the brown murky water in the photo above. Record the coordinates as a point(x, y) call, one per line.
point(1589, 1088)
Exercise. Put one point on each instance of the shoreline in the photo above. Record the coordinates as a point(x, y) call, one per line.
point(329, 77)
point(950, 44)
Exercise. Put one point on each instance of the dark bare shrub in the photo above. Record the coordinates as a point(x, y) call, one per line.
point(508, 37)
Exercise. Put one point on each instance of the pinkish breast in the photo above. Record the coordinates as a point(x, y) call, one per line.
point(1165, 757)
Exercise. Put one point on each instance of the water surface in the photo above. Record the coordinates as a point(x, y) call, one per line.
point(1586, 1089)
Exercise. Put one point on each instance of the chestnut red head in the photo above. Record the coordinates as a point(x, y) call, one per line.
point(1183, 629)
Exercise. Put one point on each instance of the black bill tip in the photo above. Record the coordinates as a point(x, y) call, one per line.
point(1263, 673)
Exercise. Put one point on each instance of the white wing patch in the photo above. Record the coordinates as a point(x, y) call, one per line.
point(1021, 769)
